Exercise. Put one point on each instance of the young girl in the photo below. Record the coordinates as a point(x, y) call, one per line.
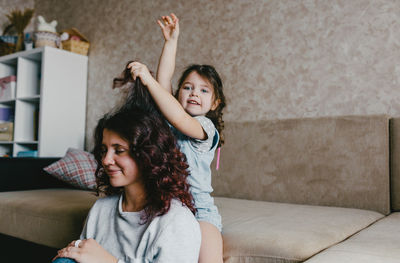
point(196, 117)
point(147, 215)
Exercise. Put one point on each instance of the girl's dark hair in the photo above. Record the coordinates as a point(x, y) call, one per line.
point(209, 73)
point(153, 146)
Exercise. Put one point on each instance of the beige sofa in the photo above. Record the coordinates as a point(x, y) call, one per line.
point(296, 190)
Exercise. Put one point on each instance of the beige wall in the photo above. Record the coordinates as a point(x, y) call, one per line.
point(278, 58)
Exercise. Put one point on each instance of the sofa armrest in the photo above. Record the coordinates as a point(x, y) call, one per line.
point(26, 174)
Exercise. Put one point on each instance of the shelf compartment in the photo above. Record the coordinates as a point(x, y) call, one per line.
point(23, 147)
point(8, 68)
point(6, 149)
point(26, 121)
point(28, 77)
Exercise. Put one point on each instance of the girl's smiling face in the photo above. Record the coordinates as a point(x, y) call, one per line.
point(196, 95)
point(117, 161)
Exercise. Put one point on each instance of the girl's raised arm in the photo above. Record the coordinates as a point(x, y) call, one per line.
point(166, 65)
point(168, 105)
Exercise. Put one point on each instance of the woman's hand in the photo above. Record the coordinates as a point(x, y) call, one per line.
point(87, 251)
point(139, 70)
point(170, 27)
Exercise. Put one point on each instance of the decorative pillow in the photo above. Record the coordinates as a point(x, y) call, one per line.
point(77, 168)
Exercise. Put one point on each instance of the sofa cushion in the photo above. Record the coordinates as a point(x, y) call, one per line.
point(76, 168)
point(333, 161)
point(51, 217)
point(377, 243)
point(257, 231)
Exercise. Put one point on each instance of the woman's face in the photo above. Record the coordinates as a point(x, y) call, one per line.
point(117, 161)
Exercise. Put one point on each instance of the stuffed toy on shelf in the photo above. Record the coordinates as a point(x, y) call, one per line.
point(46, 34)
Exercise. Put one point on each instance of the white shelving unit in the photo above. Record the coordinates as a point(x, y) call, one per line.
point(50, 103)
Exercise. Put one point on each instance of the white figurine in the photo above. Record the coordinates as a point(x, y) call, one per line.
point(44, 26)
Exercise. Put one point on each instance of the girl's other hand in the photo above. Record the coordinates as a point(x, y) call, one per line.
point(139, 70)
point(88, 251)
point(169, 27)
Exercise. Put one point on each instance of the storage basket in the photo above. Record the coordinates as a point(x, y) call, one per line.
point(7, 87)
point(76, 46)
point(6, 47)
point(6, 114)
point(9, 39)
point(6, 131)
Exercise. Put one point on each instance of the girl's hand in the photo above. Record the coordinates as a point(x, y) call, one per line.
point(140, 70)
point(88, 251)
point(170, 27)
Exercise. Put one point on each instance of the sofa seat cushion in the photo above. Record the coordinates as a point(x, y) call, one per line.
point(377, 243)
point(259, 231)
point(51, 217)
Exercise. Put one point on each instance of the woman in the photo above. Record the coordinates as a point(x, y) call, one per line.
point(148, 213)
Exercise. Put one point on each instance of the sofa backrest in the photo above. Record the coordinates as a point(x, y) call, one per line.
point(395, 162)
point(331, 161)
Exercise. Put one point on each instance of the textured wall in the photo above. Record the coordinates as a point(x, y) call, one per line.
point(278, 58)
point(6, 6)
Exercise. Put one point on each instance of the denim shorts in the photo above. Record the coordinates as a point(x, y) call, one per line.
point(206, 210)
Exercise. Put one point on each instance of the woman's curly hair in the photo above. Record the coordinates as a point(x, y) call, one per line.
point(153, 146)
point(209, 73)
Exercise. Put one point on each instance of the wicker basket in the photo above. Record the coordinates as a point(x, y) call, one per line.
point(76, 46)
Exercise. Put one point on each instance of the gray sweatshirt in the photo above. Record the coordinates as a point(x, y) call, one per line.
point(173, 237)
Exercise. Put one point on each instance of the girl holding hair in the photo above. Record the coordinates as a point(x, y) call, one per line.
point(195, 114)
point(147, 214)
